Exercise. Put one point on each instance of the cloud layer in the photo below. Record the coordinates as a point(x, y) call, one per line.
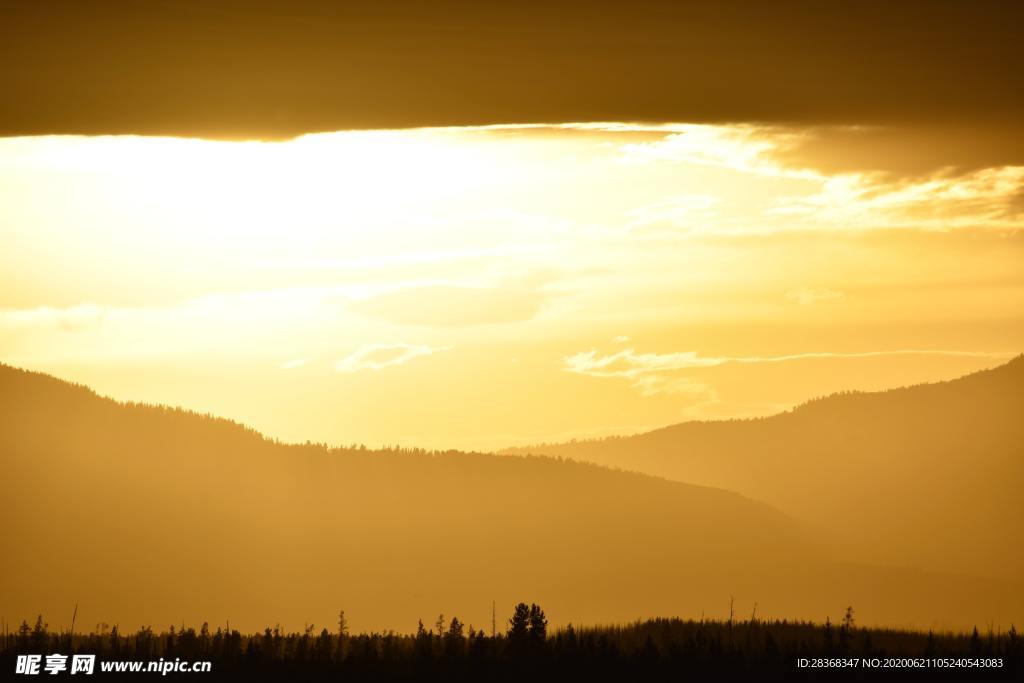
point(380, 356)
point(628, 363)
point(247, 69)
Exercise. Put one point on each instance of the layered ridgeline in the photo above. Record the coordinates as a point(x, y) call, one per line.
point(928, 476)
point(149, 515)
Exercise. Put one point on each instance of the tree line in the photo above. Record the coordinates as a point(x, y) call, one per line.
point(656, 649)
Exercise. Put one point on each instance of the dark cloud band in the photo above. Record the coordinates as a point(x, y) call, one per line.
point(269, 70)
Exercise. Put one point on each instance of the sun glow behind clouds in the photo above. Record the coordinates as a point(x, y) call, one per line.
point(204, 192)
point(368, 252)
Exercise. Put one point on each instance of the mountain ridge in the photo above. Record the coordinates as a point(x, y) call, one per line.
point(151, 515)
point(1015, 363)
point(939, 460)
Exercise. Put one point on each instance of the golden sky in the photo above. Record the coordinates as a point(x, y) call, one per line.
point(490, 286)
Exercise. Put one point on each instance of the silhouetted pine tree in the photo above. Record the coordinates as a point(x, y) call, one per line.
point(519, 624)
point(454, 639)
point(846, 630)
point(538, 624)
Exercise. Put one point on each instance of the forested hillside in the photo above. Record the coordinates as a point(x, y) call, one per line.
point(928, 476)
point(149, 515)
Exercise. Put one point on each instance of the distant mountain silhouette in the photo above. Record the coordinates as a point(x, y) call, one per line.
point(929, 476)
point(150, 515)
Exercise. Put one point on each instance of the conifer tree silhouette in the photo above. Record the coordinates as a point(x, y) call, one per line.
point(846, 629)
point(519, 624)
point(439, 624)
point(538, 624)
point(455, 638)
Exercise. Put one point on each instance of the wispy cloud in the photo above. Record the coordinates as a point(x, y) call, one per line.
point(748, 149)
point(70, 318)
point(682, 212)
point(655, 384)
point(630, 364)
point(984, 197)
point(379, 356)
point(850, 200)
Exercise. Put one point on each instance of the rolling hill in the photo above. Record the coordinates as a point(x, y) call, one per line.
point(151, 515)
point(927, 476)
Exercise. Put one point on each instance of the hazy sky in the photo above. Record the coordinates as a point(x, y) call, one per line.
point(843, 208)
point(489, 286)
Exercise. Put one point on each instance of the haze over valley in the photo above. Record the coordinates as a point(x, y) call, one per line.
point(146, 515)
